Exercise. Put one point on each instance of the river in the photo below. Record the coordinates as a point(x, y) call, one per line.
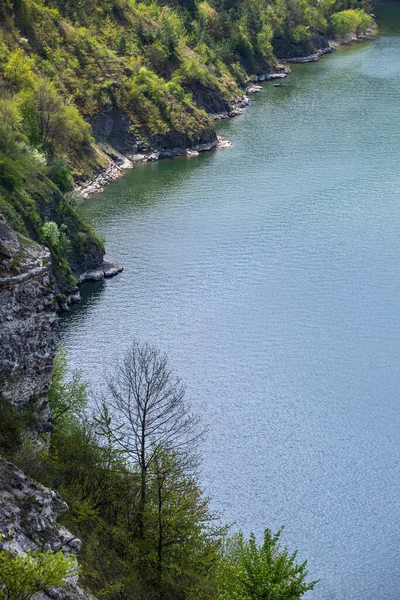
point(269, 272)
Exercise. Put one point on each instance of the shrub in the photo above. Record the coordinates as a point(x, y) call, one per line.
point(21, 577)
point(349, 21)
point(51, 234)
point(60, 173)
point(249, 571)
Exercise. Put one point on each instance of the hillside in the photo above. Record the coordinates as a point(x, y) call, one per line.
point(84, 80)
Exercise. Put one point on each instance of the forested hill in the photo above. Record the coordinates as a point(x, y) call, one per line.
point(135, 75)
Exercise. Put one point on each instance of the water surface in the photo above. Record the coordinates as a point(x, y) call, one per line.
point(269, 272)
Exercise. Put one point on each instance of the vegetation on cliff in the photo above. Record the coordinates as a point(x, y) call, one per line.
point(129, 472)
point(22, 577)
point(160, 64)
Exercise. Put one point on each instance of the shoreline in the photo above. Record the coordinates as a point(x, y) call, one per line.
point(119, 163)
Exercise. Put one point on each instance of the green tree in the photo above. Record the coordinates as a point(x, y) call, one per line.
point(349, 21)
point(18, 70)
point(249, 571)
point(21, 577)
point(184, 534)
point(67, 399)
point(175, 557)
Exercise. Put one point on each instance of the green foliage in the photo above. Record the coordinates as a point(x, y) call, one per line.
point(51, 234)
point(60, 173)
point(350, 21)
point(18, 71)
point(101, 483)
point(300, 34)
point(56, 240)
point(249, 571)
point(67, 399)
point(14, 424)
point(31, 180)
point(21, 577)
point(49, 123)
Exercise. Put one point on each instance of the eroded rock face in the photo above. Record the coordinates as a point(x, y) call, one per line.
point(28, 323)
point(113, 127)
point(28, 341)
point(209, 99)
point(28, 521)
point(9, 244)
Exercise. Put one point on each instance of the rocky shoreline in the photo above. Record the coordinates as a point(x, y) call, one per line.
point(332, 46)
point(120, 163)
point(314, 57)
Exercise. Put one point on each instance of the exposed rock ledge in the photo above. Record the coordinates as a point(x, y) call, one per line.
point(252, 88)
point(107, 269)
point(117, 167)
point(28, 521)
point(331, 47)
point(28, 323)
point(113, 171)
point(281, 72)
point(234, 110)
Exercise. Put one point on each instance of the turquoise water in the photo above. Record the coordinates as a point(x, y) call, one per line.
point(270, 274)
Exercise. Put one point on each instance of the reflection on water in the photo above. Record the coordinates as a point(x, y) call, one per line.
point(91, 293)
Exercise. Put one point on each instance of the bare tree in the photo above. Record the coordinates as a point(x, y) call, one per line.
point(150, 414)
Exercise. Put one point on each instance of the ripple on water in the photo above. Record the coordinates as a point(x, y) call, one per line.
point(269, 272)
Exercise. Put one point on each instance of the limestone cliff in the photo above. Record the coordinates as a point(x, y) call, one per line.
point(28, 341)
point(28, 324)
point(28, 521)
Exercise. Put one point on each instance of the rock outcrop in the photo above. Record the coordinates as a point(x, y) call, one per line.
point(28, 521)
point(286, 49)
point(113, 129)
point(28, 324)
point(28, 340)
point(107, 269)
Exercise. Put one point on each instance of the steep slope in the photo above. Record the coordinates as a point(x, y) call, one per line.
point(28, 522)
point(28, 325)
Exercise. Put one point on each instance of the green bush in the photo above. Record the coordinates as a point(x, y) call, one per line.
point(249, 571)
point(21, 577)
point(300, 34)
point(13, 425)
point(350, 21)
point(60, 173)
